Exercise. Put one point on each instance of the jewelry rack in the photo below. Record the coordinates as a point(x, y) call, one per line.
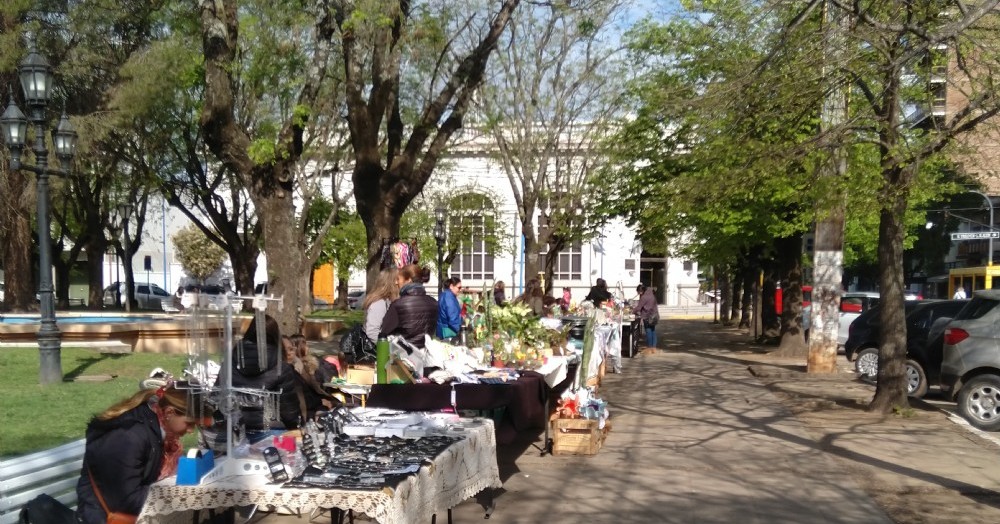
point(228, 399)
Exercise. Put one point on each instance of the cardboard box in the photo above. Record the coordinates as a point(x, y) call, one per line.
point(577, 436)
point(364, 375)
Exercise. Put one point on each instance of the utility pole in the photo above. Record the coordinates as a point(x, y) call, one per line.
point(828, 256)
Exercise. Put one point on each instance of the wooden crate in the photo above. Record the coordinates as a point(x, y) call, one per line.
point(576, 436)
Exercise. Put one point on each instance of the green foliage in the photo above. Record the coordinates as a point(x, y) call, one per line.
point(717, 150)
point(199, 256)
point(344, 245)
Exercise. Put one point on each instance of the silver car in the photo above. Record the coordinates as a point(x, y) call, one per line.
point(970, 369)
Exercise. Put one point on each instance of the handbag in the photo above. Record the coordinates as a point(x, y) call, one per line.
point(356, 345)
point(44, 509)
point(114, 517)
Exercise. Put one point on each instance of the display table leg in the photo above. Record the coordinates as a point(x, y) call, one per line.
point(337, 516)
point(435, 516)
point(491, 502)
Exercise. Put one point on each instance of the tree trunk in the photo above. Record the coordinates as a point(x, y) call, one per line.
point(828, 278)
point(737, 295)
point(828, 256)
point(284, 258)
point(342, 291)
point(95, 272)
point(16, 237)
point(244, 268)
point(793, 340)
point(770, 322)
point(891, 389)
point(532, 248)
point(749, 282)
point(60, 285)
point(725, 296)
point(382, 227)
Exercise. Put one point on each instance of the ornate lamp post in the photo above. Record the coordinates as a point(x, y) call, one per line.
point(439, 237)
point(36, 82)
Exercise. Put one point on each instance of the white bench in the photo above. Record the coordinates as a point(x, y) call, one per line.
point(53, 471)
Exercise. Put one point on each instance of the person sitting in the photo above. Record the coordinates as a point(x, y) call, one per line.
point(310, 374)
point(414, 314)
point(131, 445)
point(449, 320)
point(249, 372)
point(599, 294)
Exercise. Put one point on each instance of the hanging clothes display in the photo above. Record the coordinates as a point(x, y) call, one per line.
point(398, 254)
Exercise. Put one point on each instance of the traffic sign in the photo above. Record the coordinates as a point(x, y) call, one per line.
point(978, 235)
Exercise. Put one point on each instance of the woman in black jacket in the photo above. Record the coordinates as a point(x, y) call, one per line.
point(271, 375)
point(130, 446)
point(413, 314)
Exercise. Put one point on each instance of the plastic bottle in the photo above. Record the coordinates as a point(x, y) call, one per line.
point(381, 360)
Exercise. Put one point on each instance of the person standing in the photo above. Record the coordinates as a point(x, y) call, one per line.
point(599, 294)
point(648, 311)
point(131, 445)
point(449, 310)
point(499, 293)
point(414, 314)
point(567, 299)
point(960, 294)
point(377, 302)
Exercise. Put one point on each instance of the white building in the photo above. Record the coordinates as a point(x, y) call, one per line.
point(615, 254)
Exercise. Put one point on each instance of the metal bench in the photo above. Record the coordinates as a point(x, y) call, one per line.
point(53, 471)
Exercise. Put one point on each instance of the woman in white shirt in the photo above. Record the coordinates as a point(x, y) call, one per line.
point(377, 302)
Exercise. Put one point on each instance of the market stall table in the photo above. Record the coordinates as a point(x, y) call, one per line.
point(464, 469)
point(524, 401)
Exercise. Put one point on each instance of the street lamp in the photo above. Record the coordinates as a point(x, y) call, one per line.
point(36, 83)
point(439, 237)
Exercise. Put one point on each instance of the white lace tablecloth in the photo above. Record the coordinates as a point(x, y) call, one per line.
point(554, 370)
point(461, 471)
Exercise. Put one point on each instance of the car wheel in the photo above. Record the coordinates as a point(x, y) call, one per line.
point(979, 402)
point(916, 379)
point(867, 364)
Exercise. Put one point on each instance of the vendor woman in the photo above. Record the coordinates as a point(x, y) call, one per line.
point(130, 446)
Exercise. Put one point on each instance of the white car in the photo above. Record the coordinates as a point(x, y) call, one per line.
point(852, 305)
point(147, 296)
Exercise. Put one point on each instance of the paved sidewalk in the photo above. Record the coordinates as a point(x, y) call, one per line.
point(694, 439)
point(712, 429)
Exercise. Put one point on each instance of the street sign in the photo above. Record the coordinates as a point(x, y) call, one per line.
point(978, 235)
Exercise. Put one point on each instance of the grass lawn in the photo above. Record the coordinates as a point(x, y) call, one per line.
point(39, 417)
point(348, 316)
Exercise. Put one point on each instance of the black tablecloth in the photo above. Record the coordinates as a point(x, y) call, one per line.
point(525, 401)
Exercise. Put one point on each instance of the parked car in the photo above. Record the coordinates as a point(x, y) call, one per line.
point(209, 296)
point(852, 305)
point(925, 324)
point(147, 296)
point(262, 289)
point(355, 299)
point(970, 369)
